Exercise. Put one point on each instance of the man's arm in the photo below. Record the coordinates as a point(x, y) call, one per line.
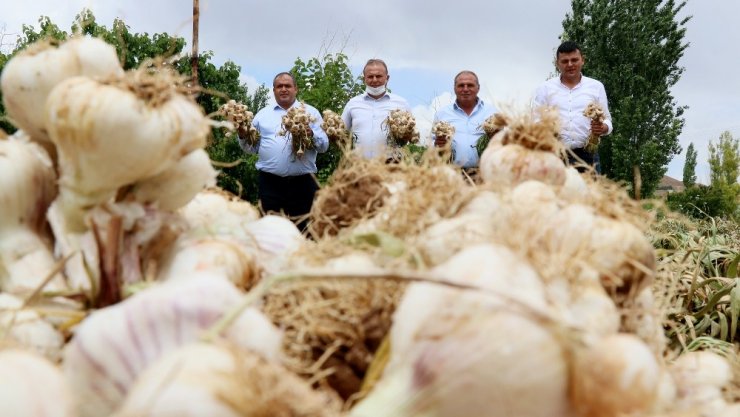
point(607, 115)
point(244, 143)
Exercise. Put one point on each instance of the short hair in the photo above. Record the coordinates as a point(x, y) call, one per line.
point(463, 72)
point(284, 73)
point(374, 61)
point(568, 47)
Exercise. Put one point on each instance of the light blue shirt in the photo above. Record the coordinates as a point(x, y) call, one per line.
point(275, 151)
point(364, 117)
point(575, 128)
point(468, 129)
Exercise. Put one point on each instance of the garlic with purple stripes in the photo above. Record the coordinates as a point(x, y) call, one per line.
point(113, 345)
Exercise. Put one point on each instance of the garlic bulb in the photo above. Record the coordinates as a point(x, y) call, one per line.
point(112, 346)
point(512, 164)
point(594, 112)
point(213, 206)
point(297, 124)
point(574, 189)
point(444, 129)
point(31, 386)
point(616, 376)
point(335, 128)
point(29, 77)
point(117, 133)
point(24, 328)
point(218, 381)
point(27, 187)
point(240, 118)
point(176, 186)
point(700, 378)
point(400, 127)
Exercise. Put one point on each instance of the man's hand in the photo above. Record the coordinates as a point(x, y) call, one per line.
point(599, 128)
point(440, 141)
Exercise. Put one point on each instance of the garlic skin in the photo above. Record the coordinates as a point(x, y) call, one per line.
point(700, 377)
point(107, 137)
point(24, 328)
point(512, 164)
point(27, 187)
point(31, 386)
point(213, 206)
point(574, 189)
point(220, 381)
point(616, 376)
point(176, 186)
point(113, 345)
point(29, 77)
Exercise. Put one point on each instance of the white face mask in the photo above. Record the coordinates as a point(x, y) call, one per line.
point(375, 91)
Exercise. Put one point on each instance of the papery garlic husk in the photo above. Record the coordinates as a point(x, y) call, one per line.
point(24, 328)
point(616, 376)
point(221, 381)
point(27, 187)
point(112, 346)
point(587, 307)
point(512, 164)
point(436, 244)
point(29, 77)
point(108, 136)
point(176, 186)
point(574, 189)
point(456, 368)
point(700, 378)
point(31, 386)
point(217, 206)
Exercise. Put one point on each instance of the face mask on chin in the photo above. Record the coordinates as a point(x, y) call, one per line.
point(375, 91)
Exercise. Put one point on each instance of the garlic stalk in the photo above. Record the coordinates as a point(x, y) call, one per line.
point(29, 77)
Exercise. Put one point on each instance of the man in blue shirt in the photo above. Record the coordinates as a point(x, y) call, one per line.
point(364, 114)
point(286, 181)
point(466, 115)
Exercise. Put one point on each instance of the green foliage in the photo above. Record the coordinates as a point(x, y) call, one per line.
point(633, 47)
point(689, 167)
point(326, 83)
point(724, 160)
point(703, 201)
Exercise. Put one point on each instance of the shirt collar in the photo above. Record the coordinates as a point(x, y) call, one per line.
point(478, 105)
point(386, 96)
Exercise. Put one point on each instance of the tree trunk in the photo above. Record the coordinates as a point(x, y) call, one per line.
point(194, 57)
point(637, 181)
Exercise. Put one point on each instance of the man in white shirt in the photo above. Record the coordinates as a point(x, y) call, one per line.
point(571, 93)
point(286, 181)
point(466, 114)
point(364, 114)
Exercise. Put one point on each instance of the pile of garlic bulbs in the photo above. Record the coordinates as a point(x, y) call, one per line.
point(401, 128)
point(335, 128)
point(296, 124)
point(240, 117)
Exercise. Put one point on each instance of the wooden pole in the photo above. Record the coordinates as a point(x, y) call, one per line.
point(194, 57)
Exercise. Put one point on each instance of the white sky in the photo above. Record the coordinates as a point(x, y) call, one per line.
point(425, 43)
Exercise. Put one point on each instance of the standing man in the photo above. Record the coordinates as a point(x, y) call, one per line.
point(570, 94)
point(364, 114)
point(286, 182)
point(466, 115)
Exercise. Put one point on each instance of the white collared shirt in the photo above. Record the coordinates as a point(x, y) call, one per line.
point(364, 117)
point(571, 102)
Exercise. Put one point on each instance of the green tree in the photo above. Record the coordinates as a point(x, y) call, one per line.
point(689, 167)
point(326, 83)
point(724, 160)
point(634, 47)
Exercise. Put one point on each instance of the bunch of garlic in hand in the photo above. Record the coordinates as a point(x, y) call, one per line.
point(241, 118)
point(594, 112)
point(297, 124)
point(401, 128)
point(335, 128)
point(444, 129)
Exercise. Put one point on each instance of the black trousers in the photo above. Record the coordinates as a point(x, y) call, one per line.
point(290, 195)
point(591, 159)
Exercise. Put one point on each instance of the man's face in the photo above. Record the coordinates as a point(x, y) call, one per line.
point(375, 75)
point(285, 91)
point(570, 63)
point(466, 89)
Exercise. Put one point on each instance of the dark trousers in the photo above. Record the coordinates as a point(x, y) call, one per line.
point(290, 195)
point(591, 159)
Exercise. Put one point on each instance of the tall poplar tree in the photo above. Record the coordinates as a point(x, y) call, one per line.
point(689, 167)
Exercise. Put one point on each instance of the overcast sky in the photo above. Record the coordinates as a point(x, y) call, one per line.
point(425, 43)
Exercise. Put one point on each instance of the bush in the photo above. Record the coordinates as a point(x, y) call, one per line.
point(702, 201)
